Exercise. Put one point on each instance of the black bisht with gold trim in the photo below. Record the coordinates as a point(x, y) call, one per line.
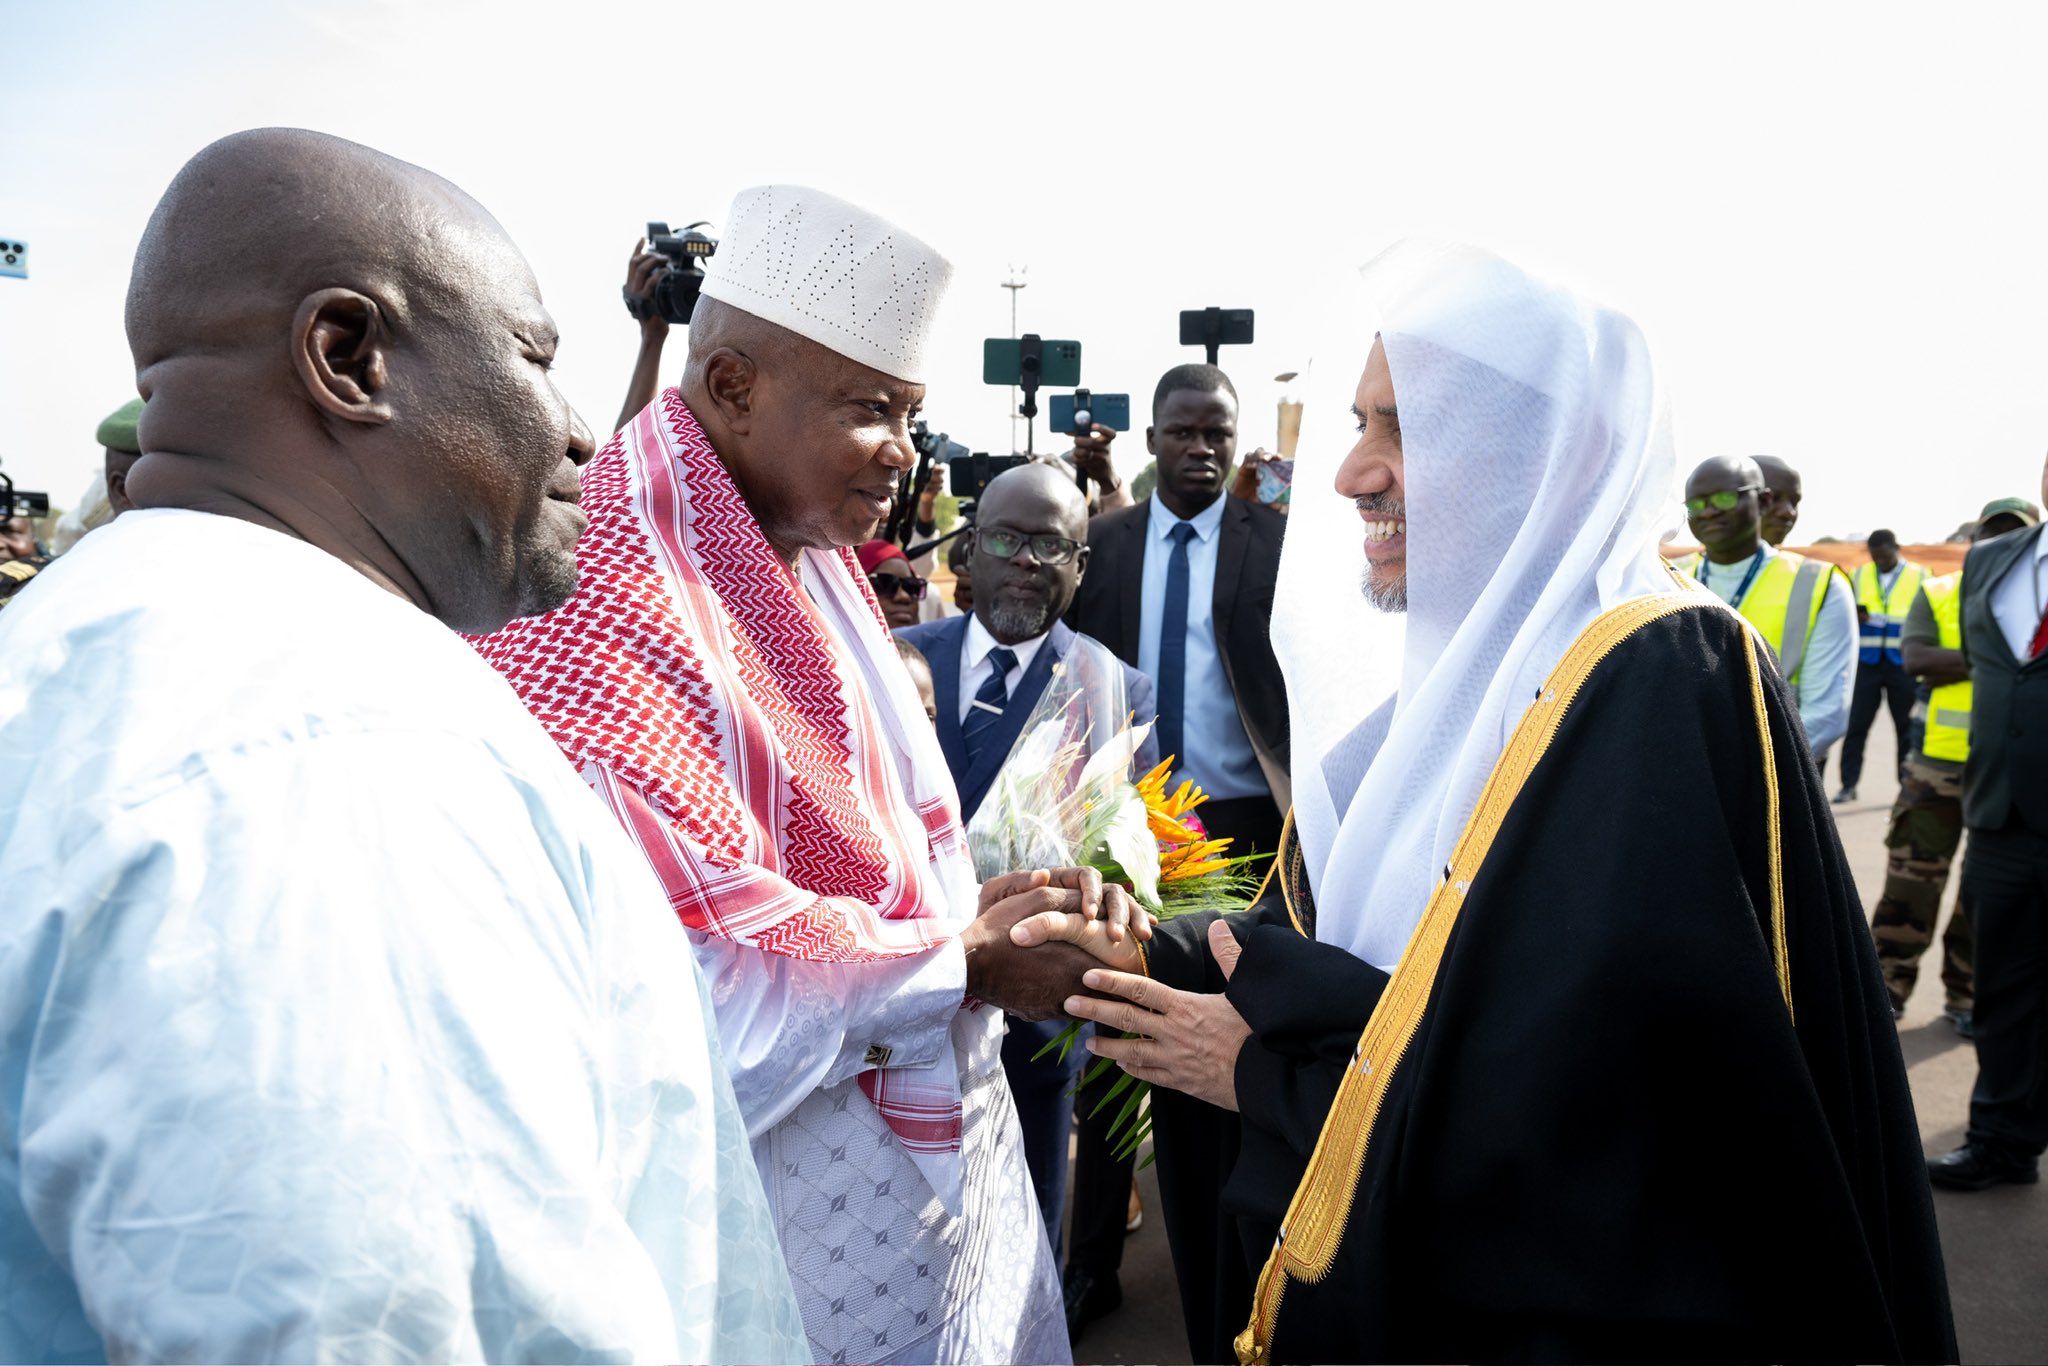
point(1633, 1093)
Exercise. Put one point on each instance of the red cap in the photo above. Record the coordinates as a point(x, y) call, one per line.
point(874, 552)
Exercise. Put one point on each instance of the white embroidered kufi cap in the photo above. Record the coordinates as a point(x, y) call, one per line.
point(833, 272)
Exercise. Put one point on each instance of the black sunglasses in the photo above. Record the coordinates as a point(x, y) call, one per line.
point(889, 585)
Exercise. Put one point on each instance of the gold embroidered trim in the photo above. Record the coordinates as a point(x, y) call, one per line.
point(1293, 881)
point(1322, 1204)
point(1774, 846)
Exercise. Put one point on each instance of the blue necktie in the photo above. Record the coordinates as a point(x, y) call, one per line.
point(1173, 646)
point(988, 703)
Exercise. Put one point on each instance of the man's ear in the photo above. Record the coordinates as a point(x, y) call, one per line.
point(1080, 564)
point(1150, 448)
point(341, 344)
point(729, 380)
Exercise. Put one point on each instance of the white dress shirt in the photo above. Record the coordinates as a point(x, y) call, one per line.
point(1219, 755)
point(975, 666)
point(2018, 598)
point(1827, 676)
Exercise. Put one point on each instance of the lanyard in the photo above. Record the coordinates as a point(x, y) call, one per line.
point(1747, 579)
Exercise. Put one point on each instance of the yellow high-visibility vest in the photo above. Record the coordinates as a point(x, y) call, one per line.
point(1948, 706)
point(1884, 614)
point(1787, 588)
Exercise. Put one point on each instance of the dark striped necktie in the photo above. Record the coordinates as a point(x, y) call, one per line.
point(987, 708)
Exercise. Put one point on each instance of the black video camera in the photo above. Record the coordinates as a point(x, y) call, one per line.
point(21, 504)
point(675, 289)
point(932, 448)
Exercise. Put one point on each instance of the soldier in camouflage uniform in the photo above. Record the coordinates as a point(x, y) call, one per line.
point(1926, 828)
point(1927, 819)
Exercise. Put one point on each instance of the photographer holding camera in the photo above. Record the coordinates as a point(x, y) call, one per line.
point(21, 557)
point(643, 268)
point(663, 276)
point(18, 538)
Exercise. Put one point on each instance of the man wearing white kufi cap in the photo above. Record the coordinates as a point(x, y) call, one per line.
point(1561, 1035)
point(724, 680)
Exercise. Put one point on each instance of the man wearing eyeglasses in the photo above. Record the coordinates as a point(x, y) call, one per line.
point(1801, 606)
point(990, 669)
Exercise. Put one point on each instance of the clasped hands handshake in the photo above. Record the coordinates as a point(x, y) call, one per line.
point(1061, 942)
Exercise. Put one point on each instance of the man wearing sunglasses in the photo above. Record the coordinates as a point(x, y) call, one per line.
point(1802, 607)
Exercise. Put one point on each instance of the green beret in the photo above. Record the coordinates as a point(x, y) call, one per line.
point(2018, 507)
point(117, 433)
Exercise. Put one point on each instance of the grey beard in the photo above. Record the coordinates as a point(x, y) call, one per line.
point(1393, 598)
point(1019, 623)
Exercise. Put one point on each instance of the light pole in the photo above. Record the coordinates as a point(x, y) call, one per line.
point(1013, 284)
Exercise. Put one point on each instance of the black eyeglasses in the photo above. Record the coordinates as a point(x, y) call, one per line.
point(889, 585)
point(1004, 543)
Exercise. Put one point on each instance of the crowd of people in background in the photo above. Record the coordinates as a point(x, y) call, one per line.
point(745, 1060)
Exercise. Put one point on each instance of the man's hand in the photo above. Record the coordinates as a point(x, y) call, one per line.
point(1091, 456)
point(1189, 1040)
point(643, 268)
point(1058, 927)
point(1032, 982)
point(1115, 907)
point(928, 497)
point(1029, 983)
point(1245, 484)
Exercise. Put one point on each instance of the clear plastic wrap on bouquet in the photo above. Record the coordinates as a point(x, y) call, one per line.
point(1065, 796)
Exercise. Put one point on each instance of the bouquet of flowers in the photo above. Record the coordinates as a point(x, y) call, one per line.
point(1065, 797)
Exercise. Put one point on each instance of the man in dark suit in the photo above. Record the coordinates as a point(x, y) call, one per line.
point(1182, 587)
point(2005, 872)
point(989, 671)
point(1212, 656)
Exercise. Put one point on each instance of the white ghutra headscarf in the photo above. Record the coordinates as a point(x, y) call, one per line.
point(1538, 481)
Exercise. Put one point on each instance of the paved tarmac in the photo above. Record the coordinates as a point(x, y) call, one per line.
point(1996, 1241)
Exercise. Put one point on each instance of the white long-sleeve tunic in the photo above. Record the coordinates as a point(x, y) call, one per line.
point(341, 1021)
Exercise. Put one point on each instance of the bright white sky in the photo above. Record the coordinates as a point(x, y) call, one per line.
point(1829, 219)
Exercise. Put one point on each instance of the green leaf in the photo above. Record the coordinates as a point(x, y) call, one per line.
point(1130, 1108)
point(1090, 1073)
point(1135, 1139)
point(1123, 1084)
point(1063, 1042)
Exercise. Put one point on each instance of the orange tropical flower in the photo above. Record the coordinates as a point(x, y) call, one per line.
point(1185, 849)
point(1192, 860)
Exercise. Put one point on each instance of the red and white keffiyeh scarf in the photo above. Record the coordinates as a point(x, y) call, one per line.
point(757, 735)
